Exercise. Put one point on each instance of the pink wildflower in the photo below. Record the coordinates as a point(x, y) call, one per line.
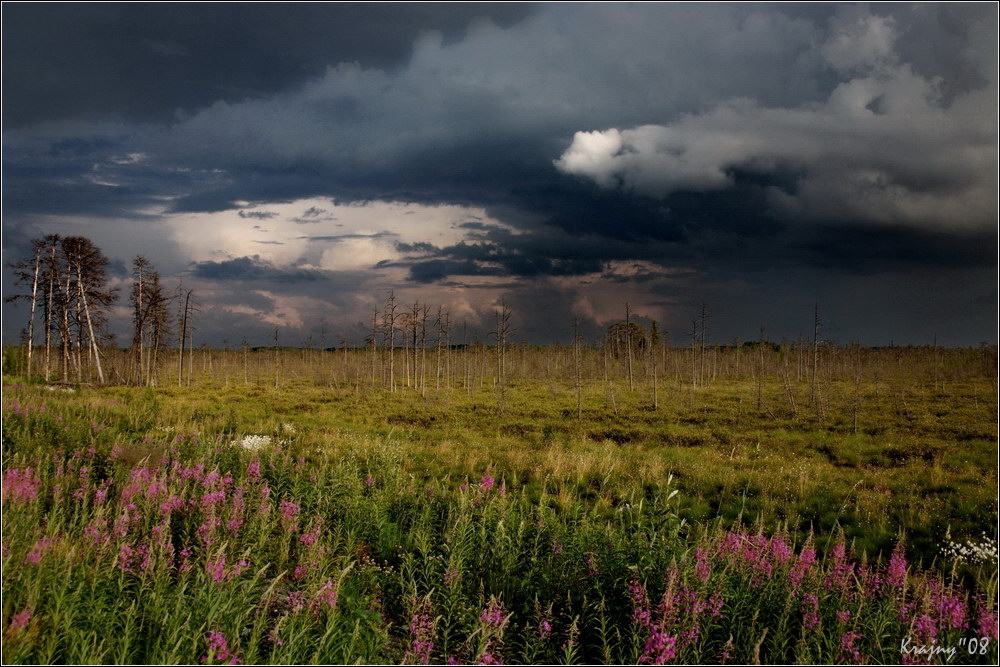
point(422, 638)
point(896, 573)
point(18, 623)
point(701, 566)
point(847, 648)
point(810, 611)
point(326, 596)
point(660, 648)
point(20, 484)
point(493, 615)
point(986, 622)
point(218, 649)
point(38, 550)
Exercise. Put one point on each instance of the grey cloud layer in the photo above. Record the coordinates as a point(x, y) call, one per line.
point(732, 126)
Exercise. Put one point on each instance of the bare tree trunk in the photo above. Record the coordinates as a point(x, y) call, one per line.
point(628, 346)
point(90, 325)
point(374, 348)
point(577, 353)
point(815, 361)
point(760, 369)
point(183, 339)
point(34, 300)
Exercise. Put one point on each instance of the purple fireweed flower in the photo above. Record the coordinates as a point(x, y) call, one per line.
point(289, 515)
point(702, 568)
point(34, 556)
point(213, 498)
point(326, 597)
point(810, 611)
point(843, 617)
point(801, 567)
point(94, 532)
point(847, 649)
point(253, 470)
point(206, 531)
point(842, 573)
point(101, 494)
point(486, 483)
point(451, 576)
point(493, 615)
point(949, 609)
point(640, 604)
point(20, 484)
point(896, 573)
point(544, 630)
point(210, 479)
point(218, 649)
point(925, 629)
point(557, 547)
point(660, 648)
point(171, 505)
point(369, 481)
point(780, 550)
point(125, 554)
point(216, 569)
point(730, 543)
point(986, 621)
point(490, 659)
point(309, 539)
point(421, 638)
point(19, 622)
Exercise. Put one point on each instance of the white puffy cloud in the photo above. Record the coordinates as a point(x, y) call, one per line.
point(882, 148)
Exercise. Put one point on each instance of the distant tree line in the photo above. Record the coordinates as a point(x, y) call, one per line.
point(418, 348)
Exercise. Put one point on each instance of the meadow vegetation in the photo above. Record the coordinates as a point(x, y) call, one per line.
point(723, 504)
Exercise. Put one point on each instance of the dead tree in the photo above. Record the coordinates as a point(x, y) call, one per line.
point(86, 284)
point(501, 333)
point(577, 364)
point(815, 361)
point(183, 321)
point(27, 272)
point(628, 345)
point(389, 328)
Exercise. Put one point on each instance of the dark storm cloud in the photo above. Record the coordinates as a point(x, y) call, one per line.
point(728, 141)
point(255, 269)
point(154, 62)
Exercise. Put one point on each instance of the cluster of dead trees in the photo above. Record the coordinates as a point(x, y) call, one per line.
point(69, 298)
point(67, 278)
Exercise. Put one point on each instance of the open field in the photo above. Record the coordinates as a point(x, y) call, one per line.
point(288, 506)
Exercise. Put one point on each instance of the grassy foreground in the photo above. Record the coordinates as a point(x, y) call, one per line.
point(253, 524)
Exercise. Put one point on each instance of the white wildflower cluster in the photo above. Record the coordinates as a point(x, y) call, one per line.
point(972, 551)
point(165, 429)
point(253, 443)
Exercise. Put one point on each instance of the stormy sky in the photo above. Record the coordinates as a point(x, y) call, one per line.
point(293, 163)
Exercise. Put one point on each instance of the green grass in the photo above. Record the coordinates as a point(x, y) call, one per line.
point(588, 517)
